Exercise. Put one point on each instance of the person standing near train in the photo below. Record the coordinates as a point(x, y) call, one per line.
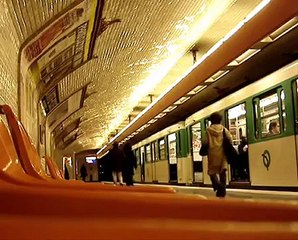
point(130, 163)
point(83, 172)
point(217, 161)
point(117, 159)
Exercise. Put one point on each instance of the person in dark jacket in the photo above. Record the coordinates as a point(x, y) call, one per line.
point(243, 159)
point(117, 159)
point(83, 171)
point(66, 173)
point(130, 163)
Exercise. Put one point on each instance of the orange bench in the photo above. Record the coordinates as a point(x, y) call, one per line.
point(135, 212)
point(53, 168)
point(61, 199)
point(24, 200)
point(24, 227)
point(122, 204)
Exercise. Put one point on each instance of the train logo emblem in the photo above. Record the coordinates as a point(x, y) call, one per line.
point(266, 159)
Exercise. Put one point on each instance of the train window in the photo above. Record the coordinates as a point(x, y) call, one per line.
point(196, 139)
point(153, 152)
point(148, 153)
point(142, 155)
point(237, 122)
point(256, 117)
point(295, 102)
point(137, 154)
point(283, 109)
point(162, 149)
point(178, 143)
point(156, 151)
point(268, 111)
point(172, 148)
point(207, 123)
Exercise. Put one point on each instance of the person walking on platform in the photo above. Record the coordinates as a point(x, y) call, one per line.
point(83, 171)
point(117, 159)
point(217, 161)
point(130, 163)
point(66, 173)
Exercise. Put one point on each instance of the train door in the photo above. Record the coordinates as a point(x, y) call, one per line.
point(295, 101)
point(142, 163)
point(148, 165)
point(172, 147)
point(197, 159)
point(154, 156)
point(162, 165)
point(274, 148)
point(236, 123)
point(137, 175)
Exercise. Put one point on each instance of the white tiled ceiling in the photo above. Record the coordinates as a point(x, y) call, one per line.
point(141, 55)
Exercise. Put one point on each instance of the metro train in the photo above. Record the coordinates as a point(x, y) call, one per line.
point(172, 155)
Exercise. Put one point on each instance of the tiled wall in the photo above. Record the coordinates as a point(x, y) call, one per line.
point(9, 45)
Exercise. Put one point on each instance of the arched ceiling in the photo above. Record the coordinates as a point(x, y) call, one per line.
point(149, 45)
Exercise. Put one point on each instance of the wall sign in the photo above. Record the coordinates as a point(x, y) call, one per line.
point(63, 44)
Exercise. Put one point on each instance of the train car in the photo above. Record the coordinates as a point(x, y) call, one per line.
point(249, 113)
point(271, 158)
point(162, 157)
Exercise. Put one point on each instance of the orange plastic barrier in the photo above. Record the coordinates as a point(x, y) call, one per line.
point(58, 209)
point(54, 169)
point(20, 200)
point(98, 228)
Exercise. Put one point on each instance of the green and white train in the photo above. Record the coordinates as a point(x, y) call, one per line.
point(172, 155)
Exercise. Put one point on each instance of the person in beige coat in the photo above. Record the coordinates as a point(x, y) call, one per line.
point(217, 161)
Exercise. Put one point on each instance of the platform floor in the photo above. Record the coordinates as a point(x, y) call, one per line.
point(233, 193)
point(239, 193)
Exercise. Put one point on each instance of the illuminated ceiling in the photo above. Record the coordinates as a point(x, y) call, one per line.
point(135, 59)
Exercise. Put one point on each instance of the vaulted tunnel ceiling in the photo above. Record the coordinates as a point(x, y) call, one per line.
point(149, 45)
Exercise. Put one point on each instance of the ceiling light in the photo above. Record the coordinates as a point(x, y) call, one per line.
point(284, 29)
point(234, 63)
point(217, 76)
point(153, 120)
point(160, 115)
point(197, 89)
point(182, 100)
point(170, 108)
point(247, 55)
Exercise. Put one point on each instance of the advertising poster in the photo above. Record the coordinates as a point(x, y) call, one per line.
point(61, 46)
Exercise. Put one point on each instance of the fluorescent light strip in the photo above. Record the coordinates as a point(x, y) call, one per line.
point(234, 63)
point(169, 109)
point(182, 100)
point(288, 26)
point(162, 114)
point(213, 49)
point(247, 55)
point(256, 10)
point(153, 120)
point(195, 90)
point(103, 148)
